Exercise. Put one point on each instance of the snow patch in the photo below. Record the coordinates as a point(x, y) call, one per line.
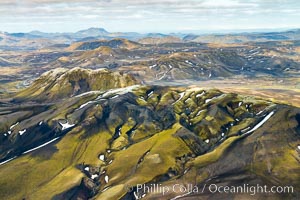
point(41, 145)
point(85, 104)
point(181, 96)
point(199, 95)
point(6, 161)
point(254, 49)
point(187, 100)
point(188, 62)
point(254, 53)
point(87, 93)
point(163, 76)
point(114, 97)
point(261, 123)
point(150, 93)
point(199, 112)
point(118, 91)
point(185, 171)
point(119, 132)
point(87, 169)
point(106, 179)
point(208, 100)
point(260, 112)
point(102, 157)
point(94, 176)
point(66, 125)
point(105, 189)
point(22, 132)
point(14, 125)
point(152, 66)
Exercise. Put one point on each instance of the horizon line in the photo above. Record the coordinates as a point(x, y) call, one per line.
point(212, 31)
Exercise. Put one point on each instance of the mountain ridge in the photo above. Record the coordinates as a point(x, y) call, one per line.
point(100, 137)
point(96, 33)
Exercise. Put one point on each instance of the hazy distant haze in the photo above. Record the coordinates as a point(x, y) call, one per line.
point(147, 16)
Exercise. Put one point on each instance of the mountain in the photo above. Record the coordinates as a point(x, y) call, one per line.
point(91, 32)
point(27, 41)
point(39, 40)
point(21, 35)
point(161, 63)
point(90, 58)
point(101, 144)
point(156, 35)
point(115, 43)
point(205, 64)
point(160, 40)
point(64, 83)
point(245, 37)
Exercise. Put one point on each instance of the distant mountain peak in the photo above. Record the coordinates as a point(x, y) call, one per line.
point(93, 31)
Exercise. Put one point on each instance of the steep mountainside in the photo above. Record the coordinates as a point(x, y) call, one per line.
point(99, 144)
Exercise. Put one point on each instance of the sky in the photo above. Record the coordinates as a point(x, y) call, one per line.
point(143, 16)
